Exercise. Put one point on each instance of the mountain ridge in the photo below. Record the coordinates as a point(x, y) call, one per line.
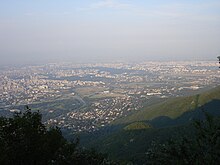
point(130, 140)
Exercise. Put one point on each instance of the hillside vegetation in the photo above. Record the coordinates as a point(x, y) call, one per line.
point(130, 138)
point(25, 140)
point(172, 108)
point(137, 126)
point(132, 145)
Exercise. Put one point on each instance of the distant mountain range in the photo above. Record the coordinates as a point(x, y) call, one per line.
point(128, 138)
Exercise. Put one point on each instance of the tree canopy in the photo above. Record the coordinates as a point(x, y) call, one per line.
point(25, 140)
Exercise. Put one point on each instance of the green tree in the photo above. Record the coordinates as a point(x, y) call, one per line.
point(25, 140)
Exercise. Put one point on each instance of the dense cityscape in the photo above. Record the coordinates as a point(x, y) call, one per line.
point(85, 97)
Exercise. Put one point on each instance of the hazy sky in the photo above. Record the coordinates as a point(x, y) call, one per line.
point(108, 30)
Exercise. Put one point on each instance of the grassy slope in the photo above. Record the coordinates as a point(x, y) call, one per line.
point(131, 144)
point(172, 108)
point(137, 126)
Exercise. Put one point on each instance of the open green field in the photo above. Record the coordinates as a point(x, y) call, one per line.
point(89, 91)
point(106, 95)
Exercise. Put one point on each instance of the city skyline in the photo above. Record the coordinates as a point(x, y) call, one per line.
point(108, 30)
